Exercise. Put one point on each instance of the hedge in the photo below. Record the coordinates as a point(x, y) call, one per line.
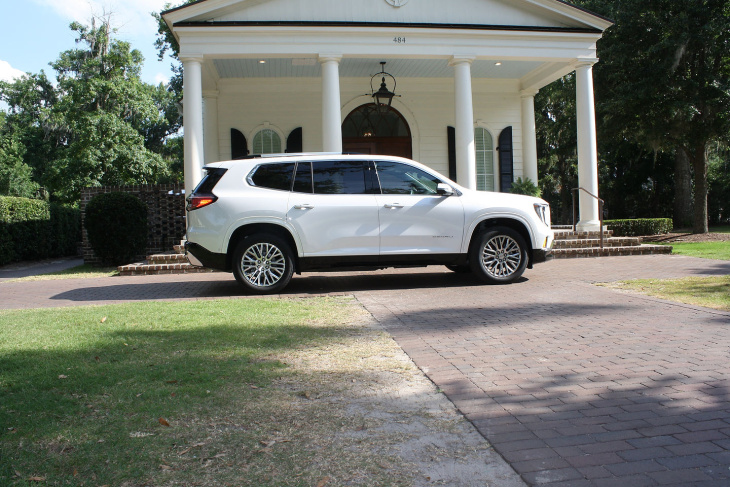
point(116, 225)
point(639, 226)
point(35, 229)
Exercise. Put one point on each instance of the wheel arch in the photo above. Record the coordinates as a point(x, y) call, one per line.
point(258, 228)
point(513, 223)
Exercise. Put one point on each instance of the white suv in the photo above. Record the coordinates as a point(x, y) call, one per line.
point(267, 217)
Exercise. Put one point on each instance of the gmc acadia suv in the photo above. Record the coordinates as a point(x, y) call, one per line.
point(265, 218)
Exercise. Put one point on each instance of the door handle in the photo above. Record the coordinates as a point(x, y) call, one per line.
point(304, 206)
point(393, 205)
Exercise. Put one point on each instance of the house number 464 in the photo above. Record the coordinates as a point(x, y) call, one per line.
point(399, 40)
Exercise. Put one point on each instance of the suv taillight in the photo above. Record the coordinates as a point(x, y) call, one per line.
point(200, 201)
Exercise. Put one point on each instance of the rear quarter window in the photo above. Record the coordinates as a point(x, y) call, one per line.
point(273, 176)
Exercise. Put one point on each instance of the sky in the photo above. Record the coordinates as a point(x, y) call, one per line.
point(35, 32)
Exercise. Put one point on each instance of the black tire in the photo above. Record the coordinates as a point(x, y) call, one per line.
point(263, 263)
point(459, 269)
point(499, 256)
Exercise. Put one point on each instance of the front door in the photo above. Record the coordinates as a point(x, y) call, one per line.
point(414, 219)
point(370, 129)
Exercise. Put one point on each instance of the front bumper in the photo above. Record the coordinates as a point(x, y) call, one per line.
point(542, 255)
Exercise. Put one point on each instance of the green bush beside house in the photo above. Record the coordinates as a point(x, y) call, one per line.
point(36, 229)
point(637, 227)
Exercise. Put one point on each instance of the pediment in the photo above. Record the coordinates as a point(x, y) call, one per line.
point(537, 14)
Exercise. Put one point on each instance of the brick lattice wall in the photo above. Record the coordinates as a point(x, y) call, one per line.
point(165, 215)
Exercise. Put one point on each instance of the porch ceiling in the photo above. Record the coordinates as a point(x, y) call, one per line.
point(364, 68)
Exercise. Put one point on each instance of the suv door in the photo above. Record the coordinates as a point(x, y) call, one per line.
point(414, 218)
point(333, 209)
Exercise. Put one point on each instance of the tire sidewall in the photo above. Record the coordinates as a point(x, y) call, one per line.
point(475, 255)
point(252, 240)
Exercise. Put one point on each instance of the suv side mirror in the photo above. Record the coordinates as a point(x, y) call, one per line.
point(444, 189)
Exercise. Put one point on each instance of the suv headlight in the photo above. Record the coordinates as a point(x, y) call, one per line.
point(543, 213)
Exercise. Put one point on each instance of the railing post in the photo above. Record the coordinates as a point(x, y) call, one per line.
point(575, 210)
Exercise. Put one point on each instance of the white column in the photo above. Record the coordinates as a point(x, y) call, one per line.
point(210, 126)
point(529, 137)
point(587, 147)
point(331, 114)
point(464, 115)
point(193, 121)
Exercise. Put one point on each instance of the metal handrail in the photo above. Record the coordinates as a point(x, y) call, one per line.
point(574, 191)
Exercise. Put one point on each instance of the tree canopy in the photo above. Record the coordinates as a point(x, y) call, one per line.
point(99, 125)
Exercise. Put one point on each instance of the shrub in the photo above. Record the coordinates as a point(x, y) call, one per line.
point(525, 186)
point(639, 226)
point(35, 229)
point(116, 225)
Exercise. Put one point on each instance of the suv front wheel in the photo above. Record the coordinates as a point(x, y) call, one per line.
point(499, 255)
point(263, 263)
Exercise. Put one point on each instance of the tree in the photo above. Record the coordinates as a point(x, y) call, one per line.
point(664, 80)
point(101, 125)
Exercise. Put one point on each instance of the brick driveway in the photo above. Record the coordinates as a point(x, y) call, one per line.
point(574, 384)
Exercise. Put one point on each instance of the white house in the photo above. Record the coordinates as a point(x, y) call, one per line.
point(298, 75)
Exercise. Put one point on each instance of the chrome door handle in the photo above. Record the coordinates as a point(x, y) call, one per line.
point(304, 206)
point(393, 205)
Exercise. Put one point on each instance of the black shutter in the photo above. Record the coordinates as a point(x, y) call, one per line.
point(506, 160)
point(451, 135)
point(294, 141)
point(239, 146)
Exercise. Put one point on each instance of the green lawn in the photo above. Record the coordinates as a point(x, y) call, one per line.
point(709, 291)
point(158, 393)
point(706, 250)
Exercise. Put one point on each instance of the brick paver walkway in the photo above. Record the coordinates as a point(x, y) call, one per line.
point(574, 384)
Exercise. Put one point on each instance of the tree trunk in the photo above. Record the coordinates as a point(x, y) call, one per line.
point(682, 190)
point(698, 157)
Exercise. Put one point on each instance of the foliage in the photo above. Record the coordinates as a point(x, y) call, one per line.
point(101, 125)
point(639, 226)
point(718, 198)
point(668, 89)
point(116, 225)
point(556, 145)
point(32, 229)
point(526, 187)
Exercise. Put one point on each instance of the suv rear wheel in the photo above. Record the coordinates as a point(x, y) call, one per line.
point(499, 256)
point(263, 263)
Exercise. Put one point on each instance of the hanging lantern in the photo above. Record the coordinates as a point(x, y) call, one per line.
point(383, 98)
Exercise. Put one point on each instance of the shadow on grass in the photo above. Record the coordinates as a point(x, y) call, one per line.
point(85, 401)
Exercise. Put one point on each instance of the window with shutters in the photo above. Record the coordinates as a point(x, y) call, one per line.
point(266, 141)
point(485, 159)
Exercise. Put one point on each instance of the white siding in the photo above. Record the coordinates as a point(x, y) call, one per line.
point(427, 104)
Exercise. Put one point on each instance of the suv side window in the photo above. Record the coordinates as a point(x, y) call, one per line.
point(274, 176)
point(339, 177)
point(397, 178)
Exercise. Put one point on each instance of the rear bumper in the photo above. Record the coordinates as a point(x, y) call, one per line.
point(199, 256)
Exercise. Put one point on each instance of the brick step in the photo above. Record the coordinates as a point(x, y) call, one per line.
point(611, 251)
point(596, 242)
point(570, 234)
point(167, 259)
point(148, 269)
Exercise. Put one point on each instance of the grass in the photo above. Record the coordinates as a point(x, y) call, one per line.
point(185, 393)
point(710, 292)
point(706, 250)
point(79, 272)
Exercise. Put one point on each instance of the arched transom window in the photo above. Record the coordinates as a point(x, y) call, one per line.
point(266, 141)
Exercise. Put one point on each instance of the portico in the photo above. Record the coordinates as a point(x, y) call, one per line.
point(286, 74)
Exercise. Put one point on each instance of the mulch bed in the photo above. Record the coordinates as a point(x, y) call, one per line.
point(688, 237)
